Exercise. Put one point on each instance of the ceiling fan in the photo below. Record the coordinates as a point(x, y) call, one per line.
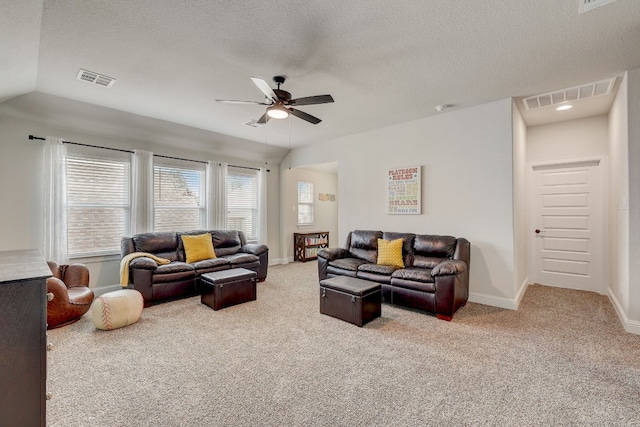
point(279, 103)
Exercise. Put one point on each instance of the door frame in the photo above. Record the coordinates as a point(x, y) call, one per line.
point(601, 176)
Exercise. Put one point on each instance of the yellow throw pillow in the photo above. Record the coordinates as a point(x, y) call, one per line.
point(198, 248)
point(390, 253)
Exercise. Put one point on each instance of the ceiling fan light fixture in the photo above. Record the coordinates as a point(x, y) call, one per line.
point(277, 112)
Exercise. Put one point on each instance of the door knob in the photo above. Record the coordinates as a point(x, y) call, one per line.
point(537, 231)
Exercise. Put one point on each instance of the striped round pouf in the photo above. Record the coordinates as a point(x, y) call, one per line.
point(117, 309)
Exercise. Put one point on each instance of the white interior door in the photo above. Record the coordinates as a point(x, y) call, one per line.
point(567, 226)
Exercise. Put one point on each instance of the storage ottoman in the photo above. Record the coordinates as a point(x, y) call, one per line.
point(228, 287)
point(350, 299)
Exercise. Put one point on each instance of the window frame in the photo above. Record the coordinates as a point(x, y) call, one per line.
point(302, 203)
point(255, 209)
point(87, 154)
point(201, 208)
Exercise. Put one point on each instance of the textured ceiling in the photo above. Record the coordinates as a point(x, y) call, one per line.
point(383, 61)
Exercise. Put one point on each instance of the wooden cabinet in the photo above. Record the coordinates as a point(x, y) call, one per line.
point(307, 245)
point(23, 332)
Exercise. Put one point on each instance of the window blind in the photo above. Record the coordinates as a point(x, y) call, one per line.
point(305, 203)
point(242, 201)
point(179, 200)
point(97, 204)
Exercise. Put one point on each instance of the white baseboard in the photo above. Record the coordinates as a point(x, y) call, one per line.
point(521, 292)
point(500, 302)
point(277, 261)
point(631, 326)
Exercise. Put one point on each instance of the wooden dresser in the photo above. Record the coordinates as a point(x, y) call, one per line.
point(23, 332)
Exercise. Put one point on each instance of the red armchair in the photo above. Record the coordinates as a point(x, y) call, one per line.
point(72, 297)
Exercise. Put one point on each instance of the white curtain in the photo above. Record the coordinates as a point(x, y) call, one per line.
point(55, 200)
point(141, 192)
point(262, 206)
point(216, 195)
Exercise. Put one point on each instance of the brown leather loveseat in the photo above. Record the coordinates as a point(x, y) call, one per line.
point(179, 279)
point(435, 277)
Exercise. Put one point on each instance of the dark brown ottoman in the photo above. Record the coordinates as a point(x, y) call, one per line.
point(350, 299)
point(228, 287)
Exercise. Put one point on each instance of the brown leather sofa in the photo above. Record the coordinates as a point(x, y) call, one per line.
point(179, 279)
point(435, 278)
point(72, 297)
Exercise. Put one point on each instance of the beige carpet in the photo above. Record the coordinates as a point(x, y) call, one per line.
point(561, 359)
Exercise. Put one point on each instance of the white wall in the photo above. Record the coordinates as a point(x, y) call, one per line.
point(325, 213)
point(633, 103)
point(21, 186)
point(618, 198)
point(466, 158)
point(520, 211)
point(587, 137)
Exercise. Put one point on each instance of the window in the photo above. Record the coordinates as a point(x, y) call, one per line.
point(97, 204)
point(178, 195)
point(305, 203)
point(242, 201)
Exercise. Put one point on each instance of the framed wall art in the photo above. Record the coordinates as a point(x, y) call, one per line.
point(403, 191)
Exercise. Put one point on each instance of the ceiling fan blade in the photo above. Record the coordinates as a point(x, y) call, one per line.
point(264, 119)
point(304, 116)
point(265, 88)
point(310, 100)
point(235, 101)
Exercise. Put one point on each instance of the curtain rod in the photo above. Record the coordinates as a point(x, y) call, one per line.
point(31, 137)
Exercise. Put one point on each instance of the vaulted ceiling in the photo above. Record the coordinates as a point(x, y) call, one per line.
point(383, 61)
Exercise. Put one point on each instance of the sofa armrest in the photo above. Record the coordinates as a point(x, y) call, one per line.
point(254, 248)
point(262, 252)
point(450, 267)
point(143, 263)
point(333, 253)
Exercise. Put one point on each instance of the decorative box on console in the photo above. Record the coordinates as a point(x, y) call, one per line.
point(350, 299)
point(228, 287)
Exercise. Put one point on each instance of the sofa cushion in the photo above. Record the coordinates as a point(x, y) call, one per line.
point(198, 247)
point(162, 244)
point(364, 244)
point(430, 250)
point(377, 269)
point(210, 263)
point(390, 253)
point(414, 274)
point(226, 242)
point(176, 271)
point(350, 264)
point(174, 267)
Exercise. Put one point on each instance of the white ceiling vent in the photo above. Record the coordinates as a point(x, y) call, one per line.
point(95, 78)
point(589, 90)
point(587, 5)
point(253, 123)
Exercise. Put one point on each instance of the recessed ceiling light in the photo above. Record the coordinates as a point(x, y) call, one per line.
point(440, 108)
point(564, 107)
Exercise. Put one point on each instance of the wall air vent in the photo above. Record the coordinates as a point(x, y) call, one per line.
point(587, 5)
point(95, 78)
point(589, 90)
point(253, 123)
